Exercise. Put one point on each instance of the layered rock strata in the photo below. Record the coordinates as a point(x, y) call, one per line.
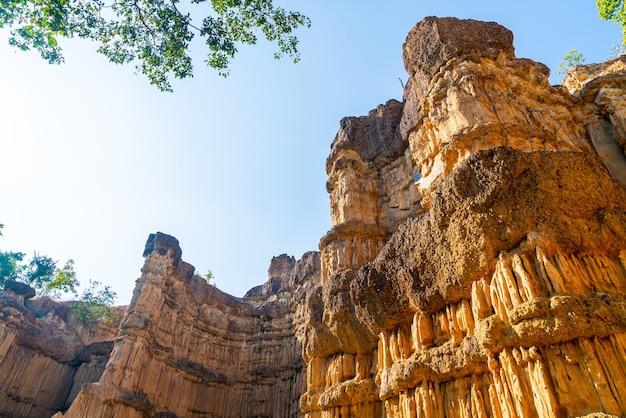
point(45, 354)
point(601, 109)
point(370, 182)
point(186, 349)
point(502, 291)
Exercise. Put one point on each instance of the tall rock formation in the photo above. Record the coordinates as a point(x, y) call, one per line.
point(186, 349)
point(499, 290)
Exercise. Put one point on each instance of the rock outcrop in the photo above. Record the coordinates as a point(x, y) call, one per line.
point(501, 290)
point(186, 349)
point(45, 354)
point(476, 266)
point(370, 182)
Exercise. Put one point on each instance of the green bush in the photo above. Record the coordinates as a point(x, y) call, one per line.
point(95, 304)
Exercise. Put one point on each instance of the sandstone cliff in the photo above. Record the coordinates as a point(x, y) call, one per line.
point(502, 294)
point(476, 266)
point(186, 349)
point(45, 355)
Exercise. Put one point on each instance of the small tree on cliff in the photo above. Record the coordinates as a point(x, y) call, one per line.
point(612, 10)
point(154, 34)
point(209, 277)
point(572, 59)
point(95, 303)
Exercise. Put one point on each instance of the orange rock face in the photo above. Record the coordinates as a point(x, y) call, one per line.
point(186, 349)
point(502, 293)
point(45, 355)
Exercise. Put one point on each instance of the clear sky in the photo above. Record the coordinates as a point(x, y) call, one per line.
point(93, 158)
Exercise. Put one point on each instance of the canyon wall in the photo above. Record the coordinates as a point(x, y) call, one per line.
point(476, 266)
point(477, 261)
point(186, 349)
point(182, 349)
point(45, 354)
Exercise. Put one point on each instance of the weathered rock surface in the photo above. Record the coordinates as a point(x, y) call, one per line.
point(467, 92)
point(370, 182)
point(598, 90)
point(502, 291)
point(186, 349)
point(45, 354)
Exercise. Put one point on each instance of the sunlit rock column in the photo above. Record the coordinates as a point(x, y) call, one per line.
point(517, 306)
point(507, 298)
point(370, 182)
point(372, 191)
point(467, 92)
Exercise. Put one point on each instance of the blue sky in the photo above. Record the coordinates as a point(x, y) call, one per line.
point(93, 158)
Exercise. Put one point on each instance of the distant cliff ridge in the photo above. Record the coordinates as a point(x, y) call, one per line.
point(476, 267)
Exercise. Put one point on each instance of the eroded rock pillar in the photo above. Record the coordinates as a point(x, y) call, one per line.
point(502, 293)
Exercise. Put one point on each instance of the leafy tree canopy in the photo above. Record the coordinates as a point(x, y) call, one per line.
point(62, 281)
point(613, 10)
point(154, 34)
point(41, 272)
